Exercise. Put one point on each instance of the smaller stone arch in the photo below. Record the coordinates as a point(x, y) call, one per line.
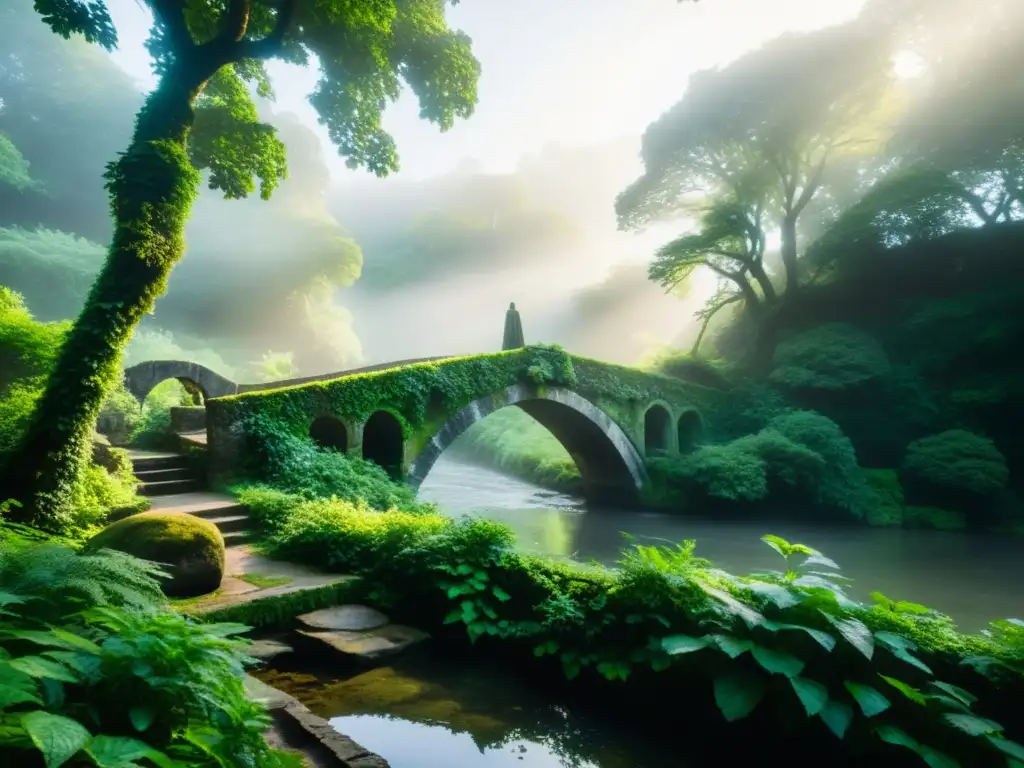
point(329, 432)
point(657, 429)
point(142, 378)
point(689, 430)
point(384, 443)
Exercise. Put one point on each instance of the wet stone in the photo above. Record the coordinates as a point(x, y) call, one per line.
point(373, 644)
point(349, 618)
point(267, 649)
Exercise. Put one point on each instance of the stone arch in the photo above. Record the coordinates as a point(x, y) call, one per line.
point(383, 442)
point(612, 469)
point(142, 378)
point(657, 429)
point(329, 432)
point(689, 430)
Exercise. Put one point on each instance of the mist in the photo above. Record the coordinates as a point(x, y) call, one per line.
point(518, 204)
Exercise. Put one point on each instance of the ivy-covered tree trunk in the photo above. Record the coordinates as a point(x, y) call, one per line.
point(152, 187)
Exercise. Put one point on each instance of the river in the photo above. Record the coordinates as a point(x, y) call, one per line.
point(972, 577)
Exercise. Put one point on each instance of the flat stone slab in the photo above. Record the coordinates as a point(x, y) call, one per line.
point(350, 618)
point(372, 644)
point(272, 698)
point(267, 649)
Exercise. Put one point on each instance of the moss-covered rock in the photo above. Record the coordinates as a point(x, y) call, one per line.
point(934, 517)
point(883, 507)
point(834, 357)
point(956, 468)
point(191, 548)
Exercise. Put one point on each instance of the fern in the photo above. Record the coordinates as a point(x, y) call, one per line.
point(59, 581)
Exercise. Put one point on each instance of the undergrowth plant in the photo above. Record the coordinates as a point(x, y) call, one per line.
point(94, 670)
point(884, 677)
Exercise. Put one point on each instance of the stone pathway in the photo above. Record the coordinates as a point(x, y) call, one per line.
point(360, 632)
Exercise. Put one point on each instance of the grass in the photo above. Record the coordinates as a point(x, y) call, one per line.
point(263, 581)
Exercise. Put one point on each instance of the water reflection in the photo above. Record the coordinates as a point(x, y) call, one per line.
point(974, 578)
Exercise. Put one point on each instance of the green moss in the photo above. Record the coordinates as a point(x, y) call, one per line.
point(684, 366)
point(833, 357)
point(192, 548)
point(957, 461)
point(884, 503)
point(933, 517)
point(277, 610)
point(263, 581)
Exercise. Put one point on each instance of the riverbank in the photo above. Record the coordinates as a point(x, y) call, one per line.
point(667, 622)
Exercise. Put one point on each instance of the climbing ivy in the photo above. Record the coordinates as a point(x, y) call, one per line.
point(423, 395)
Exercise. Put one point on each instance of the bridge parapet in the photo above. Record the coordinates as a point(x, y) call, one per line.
point(609, 417)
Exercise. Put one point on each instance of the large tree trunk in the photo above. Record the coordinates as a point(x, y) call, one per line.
point(152, 187)
point(789, 255)
point(757, 270)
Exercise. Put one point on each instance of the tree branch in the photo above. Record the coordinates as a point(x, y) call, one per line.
point(171, 14)
point(271, 45)
point(236, 20)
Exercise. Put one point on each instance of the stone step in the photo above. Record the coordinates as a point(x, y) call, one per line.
point(237, 538)
point(230, 523)
point(200, 504)
point(160, 475)
point(372, 644)
point(146, 461)
point(169, 487)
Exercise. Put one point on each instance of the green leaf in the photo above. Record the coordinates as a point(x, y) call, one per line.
point(824, 639)
point(453, 616)
point(777, 662)
point(749, 616)
point(957, 693)
point(732, 646)
point(893, 735)
point(116, 751)
point(776, 593)
point(38, 666)
point(58, 738)
point(972, 724)
point(871, 701)
point(10, 695)
point(677, 644)
point(141, 717)
point(737, 695)
point(936, 759)
point(500, 593)
point(812, 694)
point(900, 647)
point(837, 716)
point(856, 634)
point(1007, 747)
point(907, 690)
point(778, 543)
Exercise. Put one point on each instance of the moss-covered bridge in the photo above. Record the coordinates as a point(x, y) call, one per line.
point(404, 415)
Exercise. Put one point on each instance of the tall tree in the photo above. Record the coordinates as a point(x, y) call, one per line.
point(750, 146)
point(201, 117)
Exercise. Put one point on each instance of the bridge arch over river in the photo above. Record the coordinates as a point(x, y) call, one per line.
point(404, 415)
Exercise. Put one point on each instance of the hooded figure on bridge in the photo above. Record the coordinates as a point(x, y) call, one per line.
point(513, 338)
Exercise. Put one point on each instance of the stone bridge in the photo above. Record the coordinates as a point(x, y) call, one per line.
point(404, 415)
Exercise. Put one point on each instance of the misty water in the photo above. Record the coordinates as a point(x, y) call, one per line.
point(972, 577)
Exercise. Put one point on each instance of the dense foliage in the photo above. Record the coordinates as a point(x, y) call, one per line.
point(95, 672)
point(882, 676)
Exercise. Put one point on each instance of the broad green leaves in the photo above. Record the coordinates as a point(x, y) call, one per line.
point(678, 644)
point(737, 695)
point(58, 738)
point(812, 694)
point(871, 702)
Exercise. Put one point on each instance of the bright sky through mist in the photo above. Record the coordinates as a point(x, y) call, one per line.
point(567, 71)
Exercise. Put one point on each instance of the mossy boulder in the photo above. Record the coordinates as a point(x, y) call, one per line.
point(956, 468)
point(191, 549)
point(833, 358)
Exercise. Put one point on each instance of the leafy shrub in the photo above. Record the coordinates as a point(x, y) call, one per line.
point(934, 517)
point(954, 461)
point(791, 637)
point(831, 357)
point(841, 482)
point(95, 673)
point(297, 465)
point(883, 504)
point(800, 455)
point(192, 548)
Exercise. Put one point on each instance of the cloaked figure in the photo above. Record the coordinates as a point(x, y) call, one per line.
point(513, 338)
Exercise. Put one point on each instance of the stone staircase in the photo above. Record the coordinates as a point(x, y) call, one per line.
point(174, 486)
